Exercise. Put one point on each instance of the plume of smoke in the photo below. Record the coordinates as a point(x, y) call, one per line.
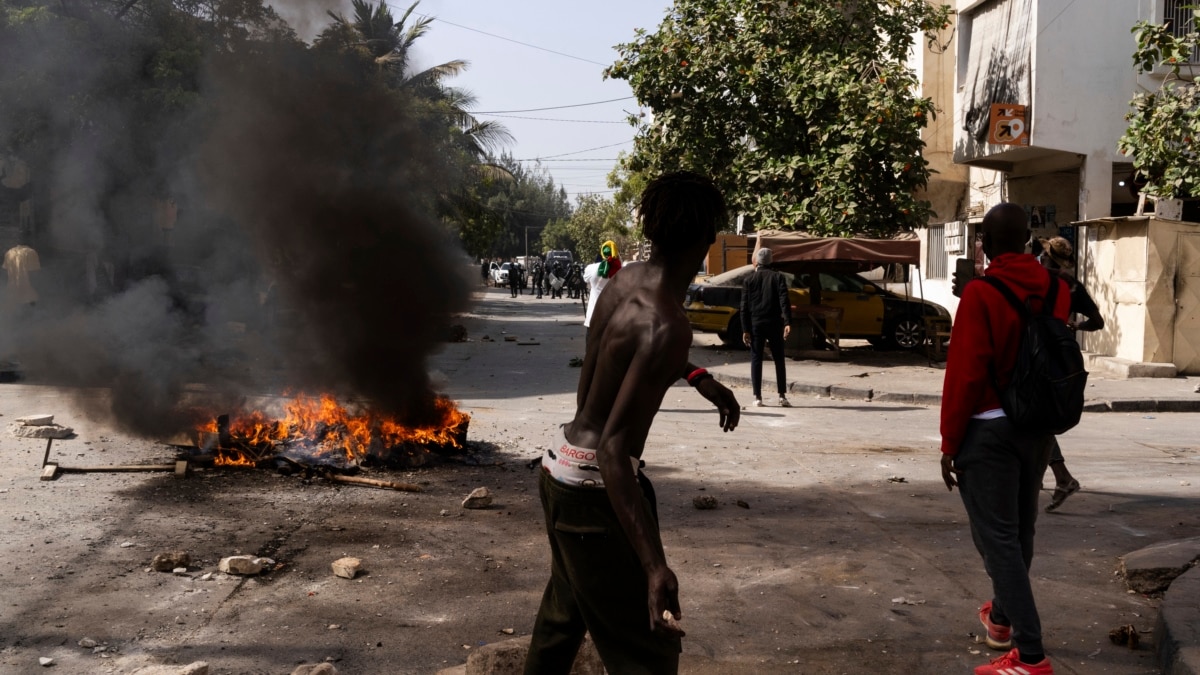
point(308, 17)
point(305, 257)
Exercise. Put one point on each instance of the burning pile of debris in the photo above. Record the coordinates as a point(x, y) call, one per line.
point(321, 434)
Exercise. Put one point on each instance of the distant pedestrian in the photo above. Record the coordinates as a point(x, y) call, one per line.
point(485, 271)
point(597, 274)
point(766, 321)
point(514, 279)
point(539, 277)
point(1058, 256)
point(20, 262)
point(998, 467)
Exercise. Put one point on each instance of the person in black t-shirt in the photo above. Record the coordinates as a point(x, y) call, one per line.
point(766, 320)
point(1058, 256)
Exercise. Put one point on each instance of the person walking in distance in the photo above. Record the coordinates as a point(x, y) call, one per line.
point(1058, 256)
point(539, 277)
point(514, 279)
point(766, 320)
point(998, 467)
point(609, 576)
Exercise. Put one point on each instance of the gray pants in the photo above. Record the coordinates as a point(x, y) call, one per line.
point(1001, 477)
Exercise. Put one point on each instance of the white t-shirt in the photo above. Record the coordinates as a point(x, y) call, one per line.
point(591, 276)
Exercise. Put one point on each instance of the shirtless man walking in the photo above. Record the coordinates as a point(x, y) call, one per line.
point(609, 575)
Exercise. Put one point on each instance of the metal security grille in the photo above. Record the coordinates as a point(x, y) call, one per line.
point(1179, 16)
point(935, 253)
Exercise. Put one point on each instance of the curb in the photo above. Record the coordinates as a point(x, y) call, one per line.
point(1177, 631)
point(1127, 405)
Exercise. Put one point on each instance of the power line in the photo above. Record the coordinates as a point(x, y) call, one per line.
point(557, 107)
point(506, 39)
point(579, 152)
point(539, 159)
point(552, 119)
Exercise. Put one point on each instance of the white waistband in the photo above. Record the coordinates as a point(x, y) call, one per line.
point(994, 413)
point(574, 465)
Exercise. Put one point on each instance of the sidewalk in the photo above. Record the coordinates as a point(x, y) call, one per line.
point(902, 377)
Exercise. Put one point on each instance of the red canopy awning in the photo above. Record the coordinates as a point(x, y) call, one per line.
point(791, 247)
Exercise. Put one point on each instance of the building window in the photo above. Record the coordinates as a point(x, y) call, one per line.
point(935, 253)
point(1179, 17)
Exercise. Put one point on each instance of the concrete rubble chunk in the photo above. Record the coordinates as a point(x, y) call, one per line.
point(194, 668)
point(347, 568)
point(45, 661)
point(507, 657)
point(167, 562)
point(1152, 569)
point(245, 565)
point(43, 431)
point(315, 669)
point(87, 643)
point(479, 498)
point(35, 420)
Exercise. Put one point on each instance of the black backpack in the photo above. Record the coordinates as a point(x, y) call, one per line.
point(1045, 395)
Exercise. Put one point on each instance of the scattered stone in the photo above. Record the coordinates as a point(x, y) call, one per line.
point(43, 431)
point(127, 544)
point(180, 571)
point(347, 568)
point(444, 512)
point(510, 338)
point(87, 643)
point(35, 420)
point(575, 362)
point(897, 479)
point(245, 565)
point(206, 576)
point(194, 668)
point(315, 669)
point(335, 626)
point(507, 631)
point(508, 656)
point(45, 661)
point(704, 502)
point(743, 504)
point(906, 601)
point(1152, 569)
point(1197, 389)
point(479, 498)
point(168, 562)
point(1124, 635)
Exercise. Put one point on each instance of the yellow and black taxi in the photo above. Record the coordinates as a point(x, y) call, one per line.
point(869, 312)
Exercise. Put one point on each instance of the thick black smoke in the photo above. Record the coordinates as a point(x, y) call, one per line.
point(304, 255)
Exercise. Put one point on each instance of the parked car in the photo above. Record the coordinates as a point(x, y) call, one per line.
point(500, 273)
point(883, 318)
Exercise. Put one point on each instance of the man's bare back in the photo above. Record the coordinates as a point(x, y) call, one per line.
point(637, 348)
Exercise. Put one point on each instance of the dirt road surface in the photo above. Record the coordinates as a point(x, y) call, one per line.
point(847, 555)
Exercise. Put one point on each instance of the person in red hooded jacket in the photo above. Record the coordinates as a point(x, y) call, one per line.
point(998, 467)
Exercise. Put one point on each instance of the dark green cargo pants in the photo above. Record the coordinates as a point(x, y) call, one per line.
point(597, 585)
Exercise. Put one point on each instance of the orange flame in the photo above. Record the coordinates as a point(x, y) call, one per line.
point(327, 426)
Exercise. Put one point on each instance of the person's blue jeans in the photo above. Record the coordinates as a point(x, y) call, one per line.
point(1001, 470)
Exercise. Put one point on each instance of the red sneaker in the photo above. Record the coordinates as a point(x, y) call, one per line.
point(1010, 664)
point(998, 637)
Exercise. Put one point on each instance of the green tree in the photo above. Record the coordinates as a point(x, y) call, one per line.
point(803, 111)
point(594, 220)
point(1164, 125)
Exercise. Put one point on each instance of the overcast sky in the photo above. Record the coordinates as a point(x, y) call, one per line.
point(506, 76)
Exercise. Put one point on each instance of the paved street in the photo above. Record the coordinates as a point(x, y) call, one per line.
point(849, 555)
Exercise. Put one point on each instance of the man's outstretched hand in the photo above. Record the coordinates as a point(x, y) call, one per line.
point(723, 398)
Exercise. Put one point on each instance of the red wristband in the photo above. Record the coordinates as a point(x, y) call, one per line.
point(695, 373)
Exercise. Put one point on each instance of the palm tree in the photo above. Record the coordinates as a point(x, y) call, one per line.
point(375, 34)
